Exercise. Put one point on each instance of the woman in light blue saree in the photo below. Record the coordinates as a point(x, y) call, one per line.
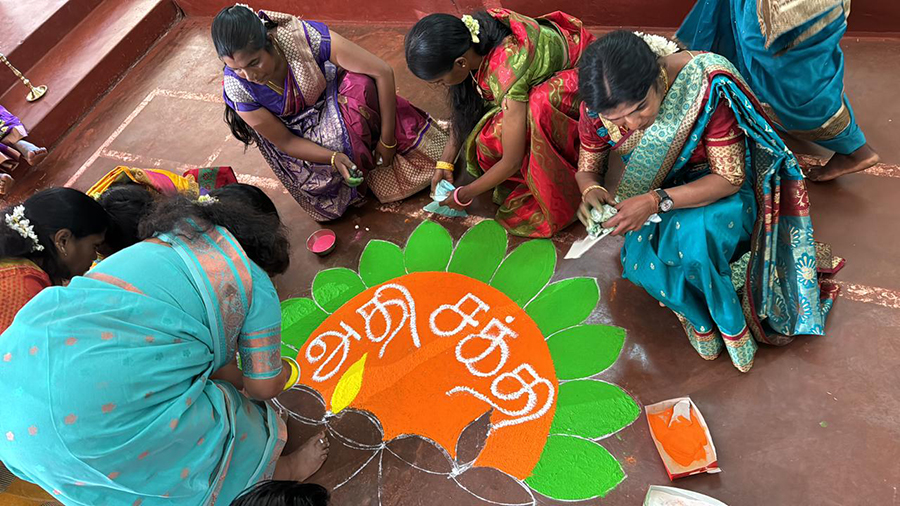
point(733, 255)
point(790, 54)
point(123, 386)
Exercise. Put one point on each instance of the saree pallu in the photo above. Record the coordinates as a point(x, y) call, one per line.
point(192, 183)
point(536, 64)
point(11, 131)
point(541, 199)
point(113, 403)
point(744, 267)
point(339, 111)
point(790, 54)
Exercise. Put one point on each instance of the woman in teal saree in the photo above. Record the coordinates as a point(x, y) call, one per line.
point(733, 254)
point(124, 388)
point(790, 53)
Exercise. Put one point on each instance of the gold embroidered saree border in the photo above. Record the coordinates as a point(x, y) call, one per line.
point(777, 17)
point(292, 40)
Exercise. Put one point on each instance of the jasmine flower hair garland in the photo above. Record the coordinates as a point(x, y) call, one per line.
point(18, 222)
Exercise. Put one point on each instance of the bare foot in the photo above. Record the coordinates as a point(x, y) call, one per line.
point(303, 463)
point(33, 154)
point(840, 165)
point(6, 183)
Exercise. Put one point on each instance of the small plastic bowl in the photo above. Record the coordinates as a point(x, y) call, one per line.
point(321, 242)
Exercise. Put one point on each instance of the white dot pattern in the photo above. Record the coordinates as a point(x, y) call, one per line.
point(236, 92)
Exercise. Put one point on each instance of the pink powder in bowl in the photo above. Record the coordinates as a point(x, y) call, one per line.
point(321, 242)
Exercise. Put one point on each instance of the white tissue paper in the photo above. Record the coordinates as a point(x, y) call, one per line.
point(442, 191)
point(596, 231)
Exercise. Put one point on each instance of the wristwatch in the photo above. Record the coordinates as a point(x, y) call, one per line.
point(665, 202)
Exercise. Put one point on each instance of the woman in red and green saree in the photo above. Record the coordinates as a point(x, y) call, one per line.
point(192, 183)
point(323, 112)
point(733, 254)
point(514, 93)
point(127, 193)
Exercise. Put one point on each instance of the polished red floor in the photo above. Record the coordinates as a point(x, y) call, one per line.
point(816, 422)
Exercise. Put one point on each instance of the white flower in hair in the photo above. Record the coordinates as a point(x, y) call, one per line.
point(207, 200)
point(18, 222)
point(660, 45)
point(473, 26)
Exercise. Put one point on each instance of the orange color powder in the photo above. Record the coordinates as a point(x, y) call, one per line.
point(406, 387)
point(685, 441)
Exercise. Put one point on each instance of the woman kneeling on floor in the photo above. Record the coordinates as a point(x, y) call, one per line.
point(323, 112)
point(514, 92)
point(731, 198)
point(129, 392)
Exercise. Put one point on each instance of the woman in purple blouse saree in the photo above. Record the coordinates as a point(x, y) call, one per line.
point(321, 109)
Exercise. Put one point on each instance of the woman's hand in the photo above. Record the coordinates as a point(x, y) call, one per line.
point(594, 199)
point(347, 169)
point(351, 57)
point(384, 156)
point(461, 195)
point(632, 214)
point(440, 175)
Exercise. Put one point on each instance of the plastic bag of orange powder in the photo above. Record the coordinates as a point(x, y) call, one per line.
point(682, 438)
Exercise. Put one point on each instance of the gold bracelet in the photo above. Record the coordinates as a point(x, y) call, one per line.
point(333, 154)
point(444, 166)
point(592, 187)
point(389, 147)
point(295, 373)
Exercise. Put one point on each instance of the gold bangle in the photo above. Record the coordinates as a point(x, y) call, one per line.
point(444, 166)
point(592, 187)
point(295, 373)
point(389, 147)
point(333, 154)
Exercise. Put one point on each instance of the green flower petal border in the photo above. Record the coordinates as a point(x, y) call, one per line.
point(524, 274)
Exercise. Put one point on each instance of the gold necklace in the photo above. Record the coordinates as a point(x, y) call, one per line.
point(477, 86)
point(664, 74)
point(474, 75)
point(274, 87)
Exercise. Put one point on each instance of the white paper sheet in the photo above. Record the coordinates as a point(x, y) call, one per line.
point(671, 496)
point(581, 246)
